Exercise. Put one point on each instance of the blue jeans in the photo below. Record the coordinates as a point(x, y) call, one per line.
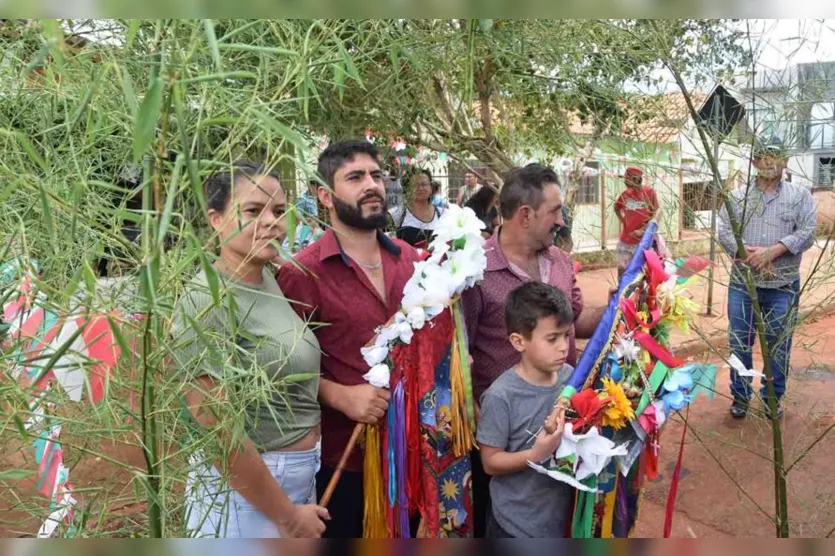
point(213, 510)
point(779, 307)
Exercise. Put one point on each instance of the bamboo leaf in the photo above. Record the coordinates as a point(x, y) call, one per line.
point(130, 93)
point(221, 77)
point(56, 356)
point(299, 377)
point(258, 49)
point(89, 278)
point(209, 26)
point(282, 130)
point(350, 68)
point(117, 334)
point(46, 209)
point(339, 80)
point(185, 146)
point(292, 220)
point(209, 271)
point(170, 196)
point(15, 474)
point(38, 60)
point(133, 29)
point(145, 126)
point(30, 149)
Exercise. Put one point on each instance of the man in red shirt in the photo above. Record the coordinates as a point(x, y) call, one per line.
point(634, 208)
point(348, 283)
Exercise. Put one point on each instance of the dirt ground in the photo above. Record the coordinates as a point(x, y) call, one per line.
point(726, 487)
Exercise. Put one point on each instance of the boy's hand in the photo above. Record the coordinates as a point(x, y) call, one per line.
point(546, 443)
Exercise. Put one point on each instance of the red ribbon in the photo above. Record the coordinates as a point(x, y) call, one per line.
point(656, 350)
point(633, 320)
point(671, 499)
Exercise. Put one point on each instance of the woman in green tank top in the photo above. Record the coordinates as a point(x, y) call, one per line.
point(253, 367)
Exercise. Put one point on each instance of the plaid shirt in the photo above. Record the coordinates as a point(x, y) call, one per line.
point(785, 216)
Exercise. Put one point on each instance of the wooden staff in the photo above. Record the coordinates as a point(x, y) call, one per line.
point(341, 466)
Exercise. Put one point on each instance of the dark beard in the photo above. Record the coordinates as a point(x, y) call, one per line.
point(351, 215)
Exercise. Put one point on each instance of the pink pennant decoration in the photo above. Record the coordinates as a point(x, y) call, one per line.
point(101, 348)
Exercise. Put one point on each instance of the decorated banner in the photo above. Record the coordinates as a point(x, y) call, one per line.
point(622, 391)
point(76, 353)
point(417, 462)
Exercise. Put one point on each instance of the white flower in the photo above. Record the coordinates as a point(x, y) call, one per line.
point(402, 328)
point(378, 376)
point(429, 291)
point(593, 452)
point(562, 477)
point(416, 318)
point(464, 267)
point(438, 283)
point(387, 334)
point(374, 355)
point(457, 222)
point(627, 349)
point(439, 249)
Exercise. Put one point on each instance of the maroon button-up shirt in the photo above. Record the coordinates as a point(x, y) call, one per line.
point(484, 310)
point(330, 289)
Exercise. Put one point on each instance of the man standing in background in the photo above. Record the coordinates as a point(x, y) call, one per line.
point(778, 224)
point(471, 187)
point(394, 184)
point(635, 208)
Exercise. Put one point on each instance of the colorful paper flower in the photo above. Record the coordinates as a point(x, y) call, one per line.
point(589, 408)
point(619, 410)
point(677, 308)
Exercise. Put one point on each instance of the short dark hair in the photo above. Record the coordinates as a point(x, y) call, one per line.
point(218, 186)
point(523, 186)
point(337, 154)
point(532, 301)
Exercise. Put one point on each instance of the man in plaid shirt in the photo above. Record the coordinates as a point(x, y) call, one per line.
point(778, 225)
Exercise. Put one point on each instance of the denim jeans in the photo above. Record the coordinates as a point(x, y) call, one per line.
point(213, 510)
point(779, 307)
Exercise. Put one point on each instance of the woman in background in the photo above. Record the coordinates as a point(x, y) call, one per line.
point(415, 222)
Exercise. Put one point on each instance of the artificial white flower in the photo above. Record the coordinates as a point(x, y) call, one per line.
point(403, 328)
point(592, 452)
point(374, 355)
point(562, 477)
point(627, 349)
point(439, 283)
point(387, 334)
point(416, 318)
point(457, 222)
point(439, 250)
point(379, 376)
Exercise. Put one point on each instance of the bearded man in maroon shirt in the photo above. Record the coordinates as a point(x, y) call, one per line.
point(347, 284)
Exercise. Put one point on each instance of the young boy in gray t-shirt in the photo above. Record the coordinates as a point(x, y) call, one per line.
point(525, 503)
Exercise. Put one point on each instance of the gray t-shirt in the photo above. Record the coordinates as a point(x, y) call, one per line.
point(525, 504)
point(266, 355)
